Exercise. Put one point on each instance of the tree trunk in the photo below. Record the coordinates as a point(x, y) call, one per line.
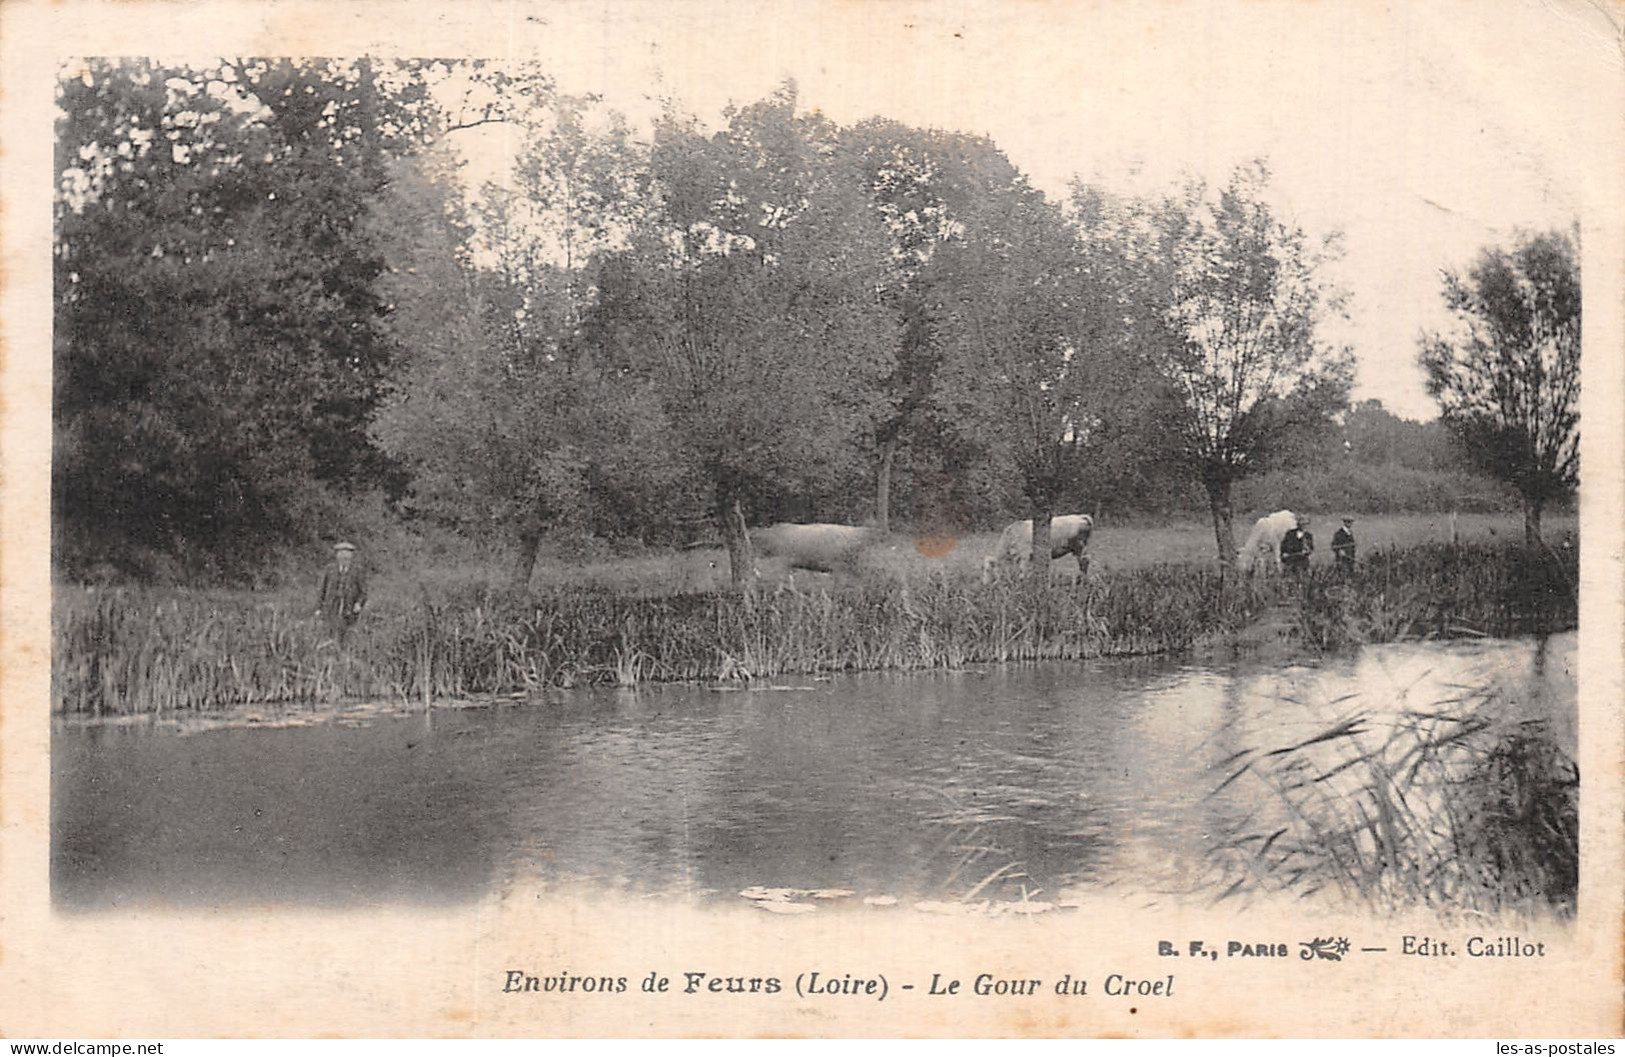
point(1039, 566)
point(1531, 521)
point(372, 165)
point(530, 546)
point(1041, 537)
point(731, 520)
point(888, 457)
point(1224, 534)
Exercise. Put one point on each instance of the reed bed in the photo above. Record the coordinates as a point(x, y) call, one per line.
point(144, 650)
point(1455, 807)
point(1442, 590)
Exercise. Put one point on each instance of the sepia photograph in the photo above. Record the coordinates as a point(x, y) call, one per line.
point(814, 519)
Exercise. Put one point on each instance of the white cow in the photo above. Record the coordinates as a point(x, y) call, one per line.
point(819, 548)
point(1068, 534)
point(1264, 542)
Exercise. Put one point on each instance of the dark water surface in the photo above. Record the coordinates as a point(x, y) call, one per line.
point(1004, 784)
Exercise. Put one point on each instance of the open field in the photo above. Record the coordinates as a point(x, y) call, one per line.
point(1115, 547)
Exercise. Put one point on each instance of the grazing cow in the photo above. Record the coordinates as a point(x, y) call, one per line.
point(1068, 534)
point(819, 548)
point(1264, 542)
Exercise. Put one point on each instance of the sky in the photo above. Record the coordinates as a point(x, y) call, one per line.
point(1421, 132)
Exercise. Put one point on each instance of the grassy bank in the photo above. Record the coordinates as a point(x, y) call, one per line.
point(125, 651)
point(137, 650)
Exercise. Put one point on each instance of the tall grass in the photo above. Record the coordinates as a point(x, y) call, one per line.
point(126, 650)
point(1454, 807)
point(1442, 590)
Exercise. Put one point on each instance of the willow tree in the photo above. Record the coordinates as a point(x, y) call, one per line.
point(504, 414)
point(1241, 303)
point(1508, 379)
point(1042, 373)
point(747, 302)
point(924, 186)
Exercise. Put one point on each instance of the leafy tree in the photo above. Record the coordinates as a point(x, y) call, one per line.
point(1044, 372)
point(923, 184)
point(443, 421)
point(504, 412)
point(1508, 380)
point(746, 301)
point(1241, 301)
point(219, 344)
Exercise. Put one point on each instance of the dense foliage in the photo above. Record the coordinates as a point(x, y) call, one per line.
point(284, 312)
point(219, 338)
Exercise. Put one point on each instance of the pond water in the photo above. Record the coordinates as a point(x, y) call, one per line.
point(1026, 782)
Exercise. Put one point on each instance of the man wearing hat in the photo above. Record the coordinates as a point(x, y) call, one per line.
point(1343, 545)
point(1296, 546)
point(342, 593)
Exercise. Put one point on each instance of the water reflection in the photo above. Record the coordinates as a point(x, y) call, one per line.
point(1019, 783)
point(1378, 777)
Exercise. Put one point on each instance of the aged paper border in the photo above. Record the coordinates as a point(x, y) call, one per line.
point(414, 972)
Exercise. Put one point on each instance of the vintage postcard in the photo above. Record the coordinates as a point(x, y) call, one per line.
point(812, 519)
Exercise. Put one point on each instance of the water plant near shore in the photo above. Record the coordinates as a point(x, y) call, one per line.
point(1442, 590)
point(137, 650)
point(1454, 807)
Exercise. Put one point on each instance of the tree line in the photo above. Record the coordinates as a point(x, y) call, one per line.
point(279, 301)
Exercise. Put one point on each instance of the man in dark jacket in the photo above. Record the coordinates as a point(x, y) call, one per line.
point(1296, 546)
point(1343, 545)
point(342, 593)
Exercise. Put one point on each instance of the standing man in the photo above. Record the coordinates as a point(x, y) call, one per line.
point(342, 593)
point(1343, 545)
point(1296, 546)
